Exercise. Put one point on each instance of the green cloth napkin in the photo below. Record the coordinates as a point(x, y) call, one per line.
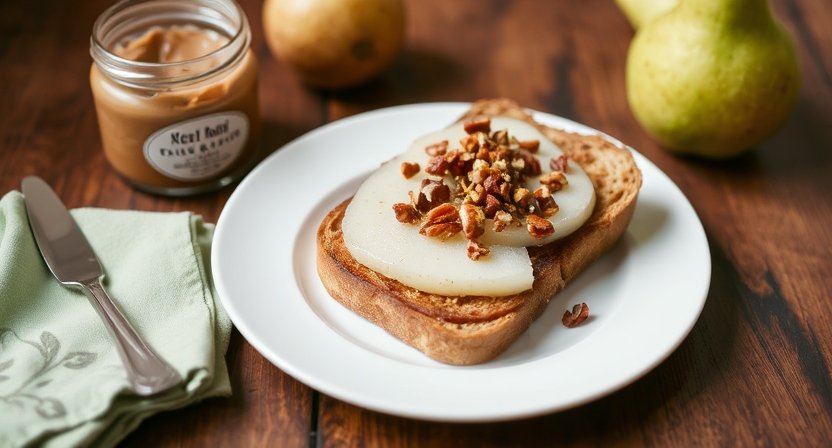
point(61, 380)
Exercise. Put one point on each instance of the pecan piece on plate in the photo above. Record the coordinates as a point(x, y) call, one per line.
point(574, 318)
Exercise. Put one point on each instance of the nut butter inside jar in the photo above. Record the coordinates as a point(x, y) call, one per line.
point(175, 89)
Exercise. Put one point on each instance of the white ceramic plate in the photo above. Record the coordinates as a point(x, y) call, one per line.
point(644, 295)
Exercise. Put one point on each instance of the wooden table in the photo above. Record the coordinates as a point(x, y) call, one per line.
point(754, 371)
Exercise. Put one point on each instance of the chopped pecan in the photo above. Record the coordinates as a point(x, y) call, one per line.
point(442, 231)
point(441, 222)
point(409, 169)
point(470, 143)
point(459, 163)
point(437, 149)
point(518, 164)
point(539, 227)
point(492, 206)
point(443, 213)
point(475, 250)
point(500, 165)
point(545, 202)
point(530, 145)
point(554, 180)
point(559, 163)
point(437, 166)
point(472, 219)
point(500, 137)
point(478, 176)
point(523, 198)
point(488, 144)
point(574, 318)
point(531, 164)
point(473, 197)
point(420, 201)
point(406, 213)
point(505, 189)
point(435, 191)
point(501, 220)
point(476, 195)
point(492, 184)
point(501, 153)
point(477, 124)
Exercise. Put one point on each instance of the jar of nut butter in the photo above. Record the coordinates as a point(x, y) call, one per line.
point(175, 89)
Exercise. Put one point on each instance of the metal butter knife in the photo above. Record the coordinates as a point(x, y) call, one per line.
point(73, 262)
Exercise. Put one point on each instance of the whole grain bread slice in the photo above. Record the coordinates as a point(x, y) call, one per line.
point(475, 329)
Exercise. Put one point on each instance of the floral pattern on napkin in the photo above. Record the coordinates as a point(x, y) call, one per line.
point(26, 395)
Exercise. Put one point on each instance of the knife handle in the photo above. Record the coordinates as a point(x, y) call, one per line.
point(148, 373)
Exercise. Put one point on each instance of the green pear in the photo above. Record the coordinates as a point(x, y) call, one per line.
point(642, 12)
point(713, 77)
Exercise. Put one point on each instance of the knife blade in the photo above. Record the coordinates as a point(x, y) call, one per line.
point(73, 262)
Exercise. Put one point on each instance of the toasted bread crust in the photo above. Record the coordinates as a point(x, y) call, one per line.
point(473, 329)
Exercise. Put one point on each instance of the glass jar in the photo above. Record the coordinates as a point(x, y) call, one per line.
point(175, 90)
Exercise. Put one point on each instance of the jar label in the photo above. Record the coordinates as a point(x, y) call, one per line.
point(199, 148)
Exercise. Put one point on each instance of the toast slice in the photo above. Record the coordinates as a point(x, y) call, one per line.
point(474, 329)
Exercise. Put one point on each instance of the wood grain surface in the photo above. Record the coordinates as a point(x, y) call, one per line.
point(755, 371)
